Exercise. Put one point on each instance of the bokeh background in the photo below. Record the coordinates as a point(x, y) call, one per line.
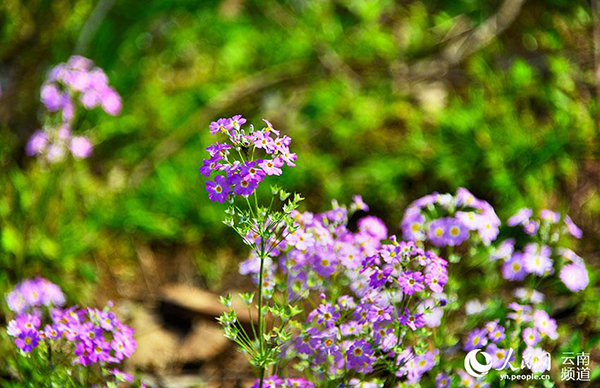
point(391, 100)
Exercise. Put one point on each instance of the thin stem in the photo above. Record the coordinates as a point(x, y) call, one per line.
point(261, 338)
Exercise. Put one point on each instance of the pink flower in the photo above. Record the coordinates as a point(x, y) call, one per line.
point(271, 167)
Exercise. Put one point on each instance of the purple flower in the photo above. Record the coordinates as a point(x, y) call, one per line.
point(530, 336)
point(34, 292)
point(360, 356)
point(572, 228)
point(237, 121)
point(504, 250)
point(476, 339)
point(544, 324)
point(81, 147)
point(412, 226)
point(378, 278)
point(56, 153)
point(251, 172)
point(498, 355)
point(271, 167)
point(537, 259)
point(531, 227)
point(351, 328)
point(111, 102)
point(413, 321)
point(437, 232)
point(123, 345)
point(520, 217)
point(37, 143)
point(373, 226)
point(210, 165)
point(456, 232)
point(442, 380)
point(513, 269)
point(418, 366)
point(51, 332)
point(52, 97)
point(262, 140)
point(218, 189)
point(243, 186)
point(497, 334)
point(574, 276)
point(359, 204)
point(550, 216)
point(465, 198)
point(327, 315)
point(220, 125)
point(218, 149)
point(121, 376)
point(411, 282)
point(536, 359)
point(27, 340)
point(378, 314)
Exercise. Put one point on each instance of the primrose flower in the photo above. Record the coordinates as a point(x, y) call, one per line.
point(572, 228)
point(272, 167)
point(536, 359)
point(373, 226)
point(549, 216)
point(81, 147)
point(462, 215)
point(499, 356)
point(413, 321)
point(476, 339)
point(244, 176)
point(530, 336)
point(67, 83)
point(27, 340)
point(360, 356)
point(411, 282)
point(520, 217)
point(34, 292)
point(218, 189)
point(221, 125)
point(513, 269)
point(537, 259)
point(442, 380)
point(574, 276)
point(327, 315)
point(544, 324)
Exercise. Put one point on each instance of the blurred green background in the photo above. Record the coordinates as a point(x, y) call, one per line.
point(390, 100)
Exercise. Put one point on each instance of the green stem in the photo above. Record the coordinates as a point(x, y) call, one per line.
point(262, 376)
point(261, 328)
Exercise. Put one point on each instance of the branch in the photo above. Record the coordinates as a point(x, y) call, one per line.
point(91, 25)
point(177, 139)
point(460, 49)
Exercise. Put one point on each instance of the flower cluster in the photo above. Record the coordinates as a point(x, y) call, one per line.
point(54, 143)
point(390, 291)
point(85, 336)
point(278, 382)
point(446, 220)
point(78, 78)
point(523, 217)
point(33, 293)
point(68, 84)
point(529, 325)
point(540, 257)
point(241, 176)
